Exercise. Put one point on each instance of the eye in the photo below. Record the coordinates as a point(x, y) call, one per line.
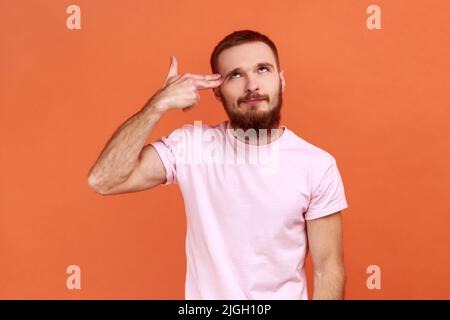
point(237, 73)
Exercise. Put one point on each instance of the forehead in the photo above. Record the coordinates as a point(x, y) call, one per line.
point(245, 55)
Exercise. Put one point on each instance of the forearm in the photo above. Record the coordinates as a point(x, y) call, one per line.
point(329, 284)
point(120, 155)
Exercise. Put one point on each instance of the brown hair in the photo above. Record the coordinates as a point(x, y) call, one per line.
point(237, 38)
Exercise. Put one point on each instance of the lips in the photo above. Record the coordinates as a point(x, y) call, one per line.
point(252, 101)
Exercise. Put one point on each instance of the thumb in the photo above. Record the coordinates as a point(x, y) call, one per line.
point(173, 69)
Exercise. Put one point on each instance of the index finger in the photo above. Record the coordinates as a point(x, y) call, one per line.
point(214, 76)
point(207, 84)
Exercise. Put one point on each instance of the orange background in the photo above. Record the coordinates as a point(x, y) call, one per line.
point(378, 100)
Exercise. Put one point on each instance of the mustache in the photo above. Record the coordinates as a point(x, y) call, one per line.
point(253, 97)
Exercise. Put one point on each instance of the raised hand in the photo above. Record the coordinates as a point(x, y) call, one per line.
point(181, 91)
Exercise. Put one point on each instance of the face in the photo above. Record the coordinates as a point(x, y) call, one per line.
point(251, 92)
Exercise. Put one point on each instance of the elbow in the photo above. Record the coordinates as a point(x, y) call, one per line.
point(96, 185)
point(333, 269)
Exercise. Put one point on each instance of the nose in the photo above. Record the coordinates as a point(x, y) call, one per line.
point(252, 84)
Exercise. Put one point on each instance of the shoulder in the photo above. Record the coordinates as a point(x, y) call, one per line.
point(193, 133)
point(318, 162)
point(311, 158)
point(309, 151)
point(199, 126)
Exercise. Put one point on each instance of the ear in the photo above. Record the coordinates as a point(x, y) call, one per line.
point(217, 94)
point(283, 81)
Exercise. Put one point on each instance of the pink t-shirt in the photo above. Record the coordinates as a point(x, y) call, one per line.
point(246, 208)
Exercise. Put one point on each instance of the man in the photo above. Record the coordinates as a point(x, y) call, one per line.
point(257, 196)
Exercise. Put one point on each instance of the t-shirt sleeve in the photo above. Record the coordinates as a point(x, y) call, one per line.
point(171, 150)
point(165, 152)
point(329, 195)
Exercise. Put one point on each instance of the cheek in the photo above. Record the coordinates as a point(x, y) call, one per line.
point(230, 91)
point(274, 87)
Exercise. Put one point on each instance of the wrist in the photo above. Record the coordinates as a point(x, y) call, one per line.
point(153, 111)
point(155, 107)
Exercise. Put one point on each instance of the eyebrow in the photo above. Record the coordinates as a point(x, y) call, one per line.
point(259, 65)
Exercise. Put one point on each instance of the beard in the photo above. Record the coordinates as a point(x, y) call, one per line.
point(252, 117)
